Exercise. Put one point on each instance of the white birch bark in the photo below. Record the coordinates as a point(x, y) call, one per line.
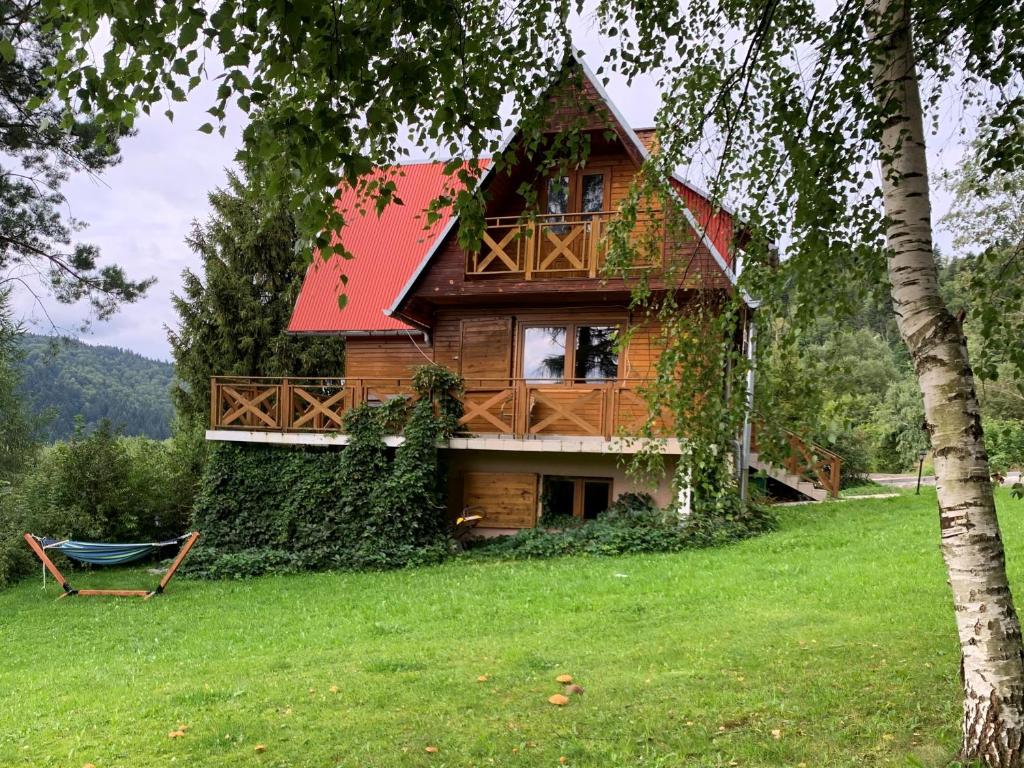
point(992, 668)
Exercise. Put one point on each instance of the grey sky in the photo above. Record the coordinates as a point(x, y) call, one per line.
point(141, 211)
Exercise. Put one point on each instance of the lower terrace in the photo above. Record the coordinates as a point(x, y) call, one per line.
point(589, 417)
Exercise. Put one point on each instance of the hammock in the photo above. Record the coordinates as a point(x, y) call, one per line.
point(100, 553)
point(107, 554)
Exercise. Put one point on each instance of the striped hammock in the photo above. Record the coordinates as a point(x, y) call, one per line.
point(98, 553)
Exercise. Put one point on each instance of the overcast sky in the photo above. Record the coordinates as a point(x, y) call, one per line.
point(140, 212)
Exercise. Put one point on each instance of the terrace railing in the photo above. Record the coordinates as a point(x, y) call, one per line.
point(511, 407)
point(501, 407)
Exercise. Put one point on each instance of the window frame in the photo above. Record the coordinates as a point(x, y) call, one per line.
point(579, 491)
point(569, 375)
point(575, 188)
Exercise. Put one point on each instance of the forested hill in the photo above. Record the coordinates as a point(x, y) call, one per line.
point(69, 378)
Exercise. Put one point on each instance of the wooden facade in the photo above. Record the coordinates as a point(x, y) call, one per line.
point(541, 332)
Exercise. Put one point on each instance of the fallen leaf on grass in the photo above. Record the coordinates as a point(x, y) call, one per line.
point(260, 748)
point(89, 765)
point(431, 750)
point(175, 734)
point(334, 689)
point(776, 734)
point(481, 679)
point(558, 700)
point(563, 760)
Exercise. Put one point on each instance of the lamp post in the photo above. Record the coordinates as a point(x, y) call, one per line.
point(920, 469)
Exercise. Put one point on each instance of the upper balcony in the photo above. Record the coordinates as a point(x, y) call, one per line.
point(563, 245)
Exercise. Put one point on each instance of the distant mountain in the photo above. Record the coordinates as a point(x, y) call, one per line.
point(67, 378)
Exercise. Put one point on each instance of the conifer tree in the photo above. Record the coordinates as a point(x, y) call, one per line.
point(234, 311)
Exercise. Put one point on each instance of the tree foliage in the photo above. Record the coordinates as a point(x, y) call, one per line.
point(18, 429)
point(62, 378)
point(44, 139)
point(98, 486)
point(233, 314)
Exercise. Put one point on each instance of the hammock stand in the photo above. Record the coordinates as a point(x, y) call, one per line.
point(108, 554)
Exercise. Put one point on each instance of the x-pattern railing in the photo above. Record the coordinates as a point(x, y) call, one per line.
point(554, 245)
point(509, 407)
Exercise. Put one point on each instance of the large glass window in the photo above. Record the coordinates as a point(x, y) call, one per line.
point(544, 353)
point(596, 495)
point(596, 356)
point(565, 498)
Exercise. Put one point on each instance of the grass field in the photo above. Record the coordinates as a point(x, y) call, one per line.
point(828, 643)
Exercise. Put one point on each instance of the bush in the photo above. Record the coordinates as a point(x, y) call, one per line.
point(634, 525)
point(96, 487)
point(855, 449)
point(212, 563)
point(1004, 441)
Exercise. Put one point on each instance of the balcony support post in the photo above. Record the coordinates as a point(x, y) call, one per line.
point(214, 404)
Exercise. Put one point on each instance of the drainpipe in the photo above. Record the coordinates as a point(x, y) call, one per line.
point(744, 477)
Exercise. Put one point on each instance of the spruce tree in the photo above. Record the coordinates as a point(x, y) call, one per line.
point(233, 312)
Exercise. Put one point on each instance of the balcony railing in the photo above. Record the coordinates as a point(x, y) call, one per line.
point(503, 407)
point(559, 245)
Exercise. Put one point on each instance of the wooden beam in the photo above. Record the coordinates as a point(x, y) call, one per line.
point(177, 561)
point(47, 562)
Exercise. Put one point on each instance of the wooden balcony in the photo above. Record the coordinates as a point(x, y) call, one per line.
point(571, 245)
point(503, 407)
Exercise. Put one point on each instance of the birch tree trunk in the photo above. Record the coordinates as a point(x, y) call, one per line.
point(992, 665)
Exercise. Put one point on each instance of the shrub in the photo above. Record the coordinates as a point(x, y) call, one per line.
point(362, 507)
point(212, 563)
point(1004, 441)
point(98, 486)
point(634, 525)
point(855, 449)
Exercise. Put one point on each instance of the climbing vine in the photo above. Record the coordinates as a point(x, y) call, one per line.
point(366, 506)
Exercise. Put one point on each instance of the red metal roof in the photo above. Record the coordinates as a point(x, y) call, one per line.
point(386, 249)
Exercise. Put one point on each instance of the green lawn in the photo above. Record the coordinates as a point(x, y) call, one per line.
point(828, 643)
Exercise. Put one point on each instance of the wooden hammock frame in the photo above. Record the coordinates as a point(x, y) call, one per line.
point(145, 594)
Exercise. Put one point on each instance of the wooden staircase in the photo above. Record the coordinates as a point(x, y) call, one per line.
point(808, 469)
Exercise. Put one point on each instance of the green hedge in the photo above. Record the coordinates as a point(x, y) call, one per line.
point(271, 509)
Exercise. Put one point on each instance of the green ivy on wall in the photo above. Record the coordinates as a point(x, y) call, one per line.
point(263, 508)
